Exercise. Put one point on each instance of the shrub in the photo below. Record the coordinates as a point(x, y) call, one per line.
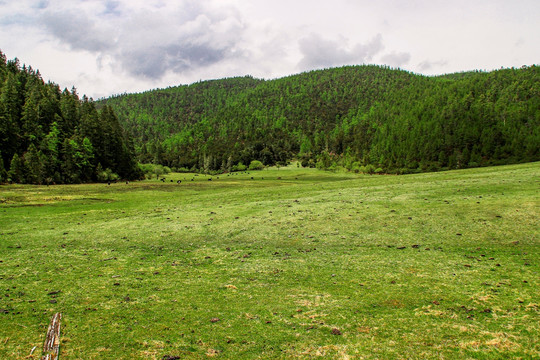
point(107, 175)
point(369, 169)
point(356, 167)
point(239, 167)
point(256, 165)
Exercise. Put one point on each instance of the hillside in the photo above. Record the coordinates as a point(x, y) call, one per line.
point(359, 117)
point(51, 136)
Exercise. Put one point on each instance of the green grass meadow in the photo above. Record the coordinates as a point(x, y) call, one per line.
point(286, 263)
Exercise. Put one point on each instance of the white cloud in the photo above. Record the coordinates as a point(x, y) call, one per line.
point(319, 52)
point(112, 46)
point(396, 59)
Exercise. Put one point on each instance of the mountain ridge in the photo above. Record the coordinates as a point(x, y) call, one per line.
point(350, 116)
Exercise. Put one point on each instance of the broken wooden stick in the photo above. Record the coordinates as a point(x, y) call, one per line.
point(51, 348)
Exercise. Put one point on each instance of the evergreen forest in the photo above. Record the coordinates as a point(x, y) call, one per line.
point(368, 118)
point(362, 118)
point(50, 136)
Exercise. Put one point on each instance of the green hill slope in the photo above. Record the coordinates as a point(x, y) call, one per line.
point(354, 116)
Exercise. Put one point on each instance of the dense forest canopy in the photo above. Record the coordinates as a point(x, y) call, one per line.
point(51, 136)
point(357, 117)
point(362, 118)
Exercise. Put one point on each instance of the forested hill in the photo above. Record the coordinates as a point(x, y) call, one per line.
point(358, 117)
point(51, 136)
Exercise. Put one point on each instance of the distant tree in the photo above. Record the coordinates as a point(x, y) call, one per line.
point(85, 160)
point(17, 171)
point(3, 172)
point(256, 165)
point(34, 161)
point(158, 171)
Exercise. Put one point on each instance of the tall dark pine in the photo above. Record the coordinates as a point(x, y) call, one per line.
point(51, 136)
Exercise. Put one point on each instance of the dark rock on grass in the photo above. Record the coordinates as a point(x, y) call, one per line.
point(415, 246)
point(54, 292)
point(214, 320)
point(335, 331)
point(170, 357)
point(401, 247)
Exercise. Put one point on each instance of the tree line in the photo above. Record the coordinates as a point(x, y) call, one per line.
point(362, 118)
point(49, 135)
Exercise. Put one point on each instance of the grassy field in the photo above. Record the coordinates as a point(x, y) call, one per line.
point(313, 264)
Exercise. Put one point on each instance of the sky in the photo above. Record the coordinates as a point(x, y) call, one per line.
point(106, 47)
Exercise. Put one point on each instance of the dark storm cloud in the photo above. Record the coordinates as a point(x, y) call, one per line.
point(76, 30)
point(153, 62)
point(319, 52)
point(153, 41)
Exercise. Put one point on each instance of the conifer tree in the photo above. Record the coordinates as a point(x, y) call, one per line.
point(17, 171)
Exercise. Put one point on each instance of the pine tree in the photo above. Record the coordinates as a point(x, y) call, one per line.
point(10, 113)
point(34, 162)
point(17, 171)
point(3, 172)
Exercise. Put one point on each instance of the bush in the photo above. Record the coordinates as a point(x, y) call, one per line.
point(147, 168)
point(107, 175)
point(239, 167)
point(369, 169)
point(256, 165)
point(356, 167)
